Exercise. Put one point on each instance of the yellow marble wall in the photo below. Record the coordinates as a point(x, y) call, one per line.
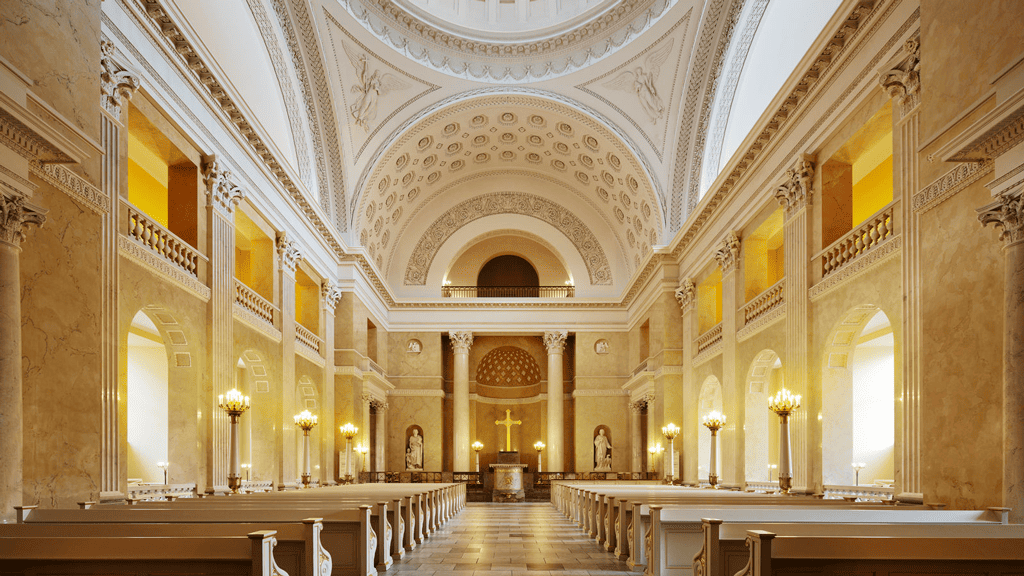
point(415, 371)
point(266, 417)
point(602, 374)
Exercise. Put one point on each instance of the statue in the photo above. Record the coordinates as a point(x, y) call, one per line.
point(602, 347)
point(371, 86)
point(641, 82)
point(602, 452)
point(414, 453)
point(414, 346)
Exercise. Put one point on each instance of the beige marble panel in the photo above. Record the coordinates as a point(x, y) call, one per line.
point(594, 411)
point(263, 360)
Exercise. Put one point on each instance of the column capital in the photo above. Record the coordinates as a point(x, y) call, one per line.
point(901, 77)
point(117, 85)
point(728, 253)
point(1007, 212)
point(461, 341)
point(554, 341)
point(795, 191)
point(15, 214)
point(378, 406)
point(331, 294)
point(222, 192)
point(366, 397)
point(686, 294)
point(288, 252)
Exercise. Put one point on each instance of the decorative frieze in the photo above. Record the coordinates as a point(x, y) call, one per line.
point(15, 214)
point(554, 341)
point(902, 81)
point(950, 184)
point(1006, 213)
point(221, 190)
point(795, 191)
point(461, 341)
point(288, 252)
point(78, 188)
point(331, 295)
point(117, 85)
point(728, 253)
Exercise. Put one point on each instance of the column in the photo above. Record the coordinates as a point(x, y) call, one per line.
point(686, 294)
point(15, 214)
point(288, 257)
point(1007, 213)
point(461, 341)
point(330, 295)
point(636, 409)
point(380, 435)
point(364, 435)
point(794, 194)
point(222, 196)
point(555, 342)
point(733, 398)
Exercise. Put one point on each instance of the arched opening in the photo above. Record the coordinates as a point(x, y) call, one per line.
point(508, 276)
point(147, 401)
point(710, 400)
point(307, 397)
point(858, 399)
point(761, 429)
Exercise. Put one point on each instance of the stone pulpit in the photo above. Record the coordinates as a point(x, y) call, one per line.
point(508, 478)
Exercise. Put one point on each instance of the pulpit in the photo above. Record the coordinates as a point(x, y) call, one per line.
point(508, 478)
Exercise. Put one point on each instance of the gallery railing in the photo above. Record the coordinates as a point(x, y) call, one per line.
point(508, 291)
point(545, 478)
point(472, 478)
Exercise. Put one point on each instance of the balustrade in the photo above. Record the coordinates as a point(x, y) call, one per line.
point(248, 299)
point(764, 302)
point(642, 367)
point(508, 291)
point(709, 338)
point(863, 492)
point(305, 337)
point(162, 241)
point(877, 229)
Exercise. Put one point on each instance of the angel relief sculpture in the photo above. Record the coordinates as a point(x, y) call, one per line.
point(642, 80)
point(371, 86)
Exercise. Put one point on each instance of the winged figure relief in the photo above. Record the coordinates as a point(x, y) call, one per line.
point(371, 86)
point(642, 81)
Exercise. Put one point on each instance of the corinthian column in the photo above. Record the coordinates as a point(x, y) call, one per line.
point(288, 257)
point(461, 341)
point(15, 214)
point(686, 294)
point(1007, 213)
point(555, 342)
point(733, 399)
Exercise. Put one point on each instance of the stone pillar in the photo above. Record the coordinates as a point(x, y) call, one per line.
point(1007, 213)
point(733, 397)
point(686, 294)
point(222, 196)
point(288, 256)
point(15, 214)
point(364, 437)
point(794, 194)
point(636, 409)
point(555, 343)
point(330, 295)
point(380, 435)
point(116, 85)
point(461, 341)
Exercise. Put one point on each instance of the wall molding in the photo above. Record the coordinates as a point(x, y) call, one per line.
point(950, 184)
point(156, 264)
point(762, 322)
point(78, 188)
point(255, 322)
point(416, 393)
point(302, 350)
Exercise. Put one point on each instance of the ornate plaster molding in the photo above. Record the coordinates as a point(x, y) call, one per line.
point(309, 354)
point(599, 393)
point(158, 265)
point(762, 322)
point(26, 141)
point(461, 341)
point(117, 85)
point(15, 215)
point(795, 191)
point(902, 80)
point(508, 203)
point(881, 253)
point(728, 253)
point(708, 354)
point(63, 179)
point(686, 295)
point(414, 393)
point(1007, 214)
point(288, 252)
point(378, 406)
point(331, 294)
point(950, 184)
point(221, 190)
point(554, 341)
point(255, 322)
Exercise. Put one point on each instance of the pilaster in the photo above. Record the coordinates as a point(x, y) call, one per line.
point(686, 295)
point(380, 442)
point(330, 295)
point(461, 342)
point(733, 398)
point(554, 342)
point(288, 256)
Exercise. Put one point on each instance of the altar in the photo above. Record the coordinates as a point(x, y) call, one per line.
point(508, 478)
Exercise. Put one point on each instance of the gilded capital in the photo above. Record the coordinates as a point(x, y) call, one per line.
point(15, 214)
point(117, 85)
point(686, 294)
point(221, 190)
point(795, 191)
point(1007, 213)
point(331, 294)
point(554, 341)
point(288, 252)
point(728, 253)
point(461, 341)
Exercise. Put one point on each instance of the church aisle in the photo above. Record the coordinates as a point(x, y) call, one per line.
point(528, 539)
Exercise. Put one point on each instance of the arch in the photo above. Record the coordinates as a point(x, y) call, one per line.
point(508, 270)
point(858, 397)
point(552, 267)
point(761, 435)
point(147, 400)
point(710, 399)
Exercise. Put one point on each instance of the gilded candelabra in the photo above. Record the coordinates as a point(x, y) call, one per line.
point(349, 432)
point(714, 421)
point(363, 450)
point(652, 462)
point(539, 446)
point(477, 447)
point(306, 421)
point(235, 404)
point(783, 404)
point(163, 466)
point(670, 431)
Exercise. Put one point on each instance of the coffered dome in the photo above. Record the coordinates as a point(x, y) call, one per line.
point(508, 366)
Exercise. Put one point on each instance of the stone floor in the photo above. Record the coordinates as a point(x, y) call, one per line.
point(528, 539)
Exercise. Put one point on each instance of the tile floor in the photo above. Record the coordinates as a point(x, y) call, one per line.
point(529, 539)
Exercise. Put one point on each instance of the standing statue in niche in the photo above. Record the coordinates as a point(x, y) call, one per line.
point(602, 452)
point(414, 452)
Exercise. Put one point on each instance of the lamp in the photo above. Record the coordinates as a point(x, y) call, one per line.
point(539, 446)
point(362, 449)
point(235, 404)
point(670, 431)
point(714, 421)
point(349, 432)
point(306, 421)
point(163, 466)
point(857, 467)
point(654, 451)
point(247, 468)
point(783, 404)
point(477, 446)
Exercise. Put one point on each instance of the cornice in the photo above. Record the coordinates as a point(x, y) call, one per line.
point(63, 179)
point(990, 136)
point(156, 264)
point(416, 393)
point(881, 253)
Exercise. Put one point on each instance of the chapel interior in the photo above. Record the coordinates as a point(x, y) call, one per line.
point(272, 245)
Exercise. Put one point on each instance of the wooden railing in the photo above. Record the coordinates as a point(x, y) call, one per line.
point(709, 338)
point(764, 302)
point(508, 291)
point(305, 337)
point(247, 298)
point(877, 229)
point(152, 235)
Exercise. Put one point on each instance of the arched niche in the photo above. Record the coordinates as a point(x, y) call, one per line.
point(761, 427)
point(255, 426)
point(147, 400)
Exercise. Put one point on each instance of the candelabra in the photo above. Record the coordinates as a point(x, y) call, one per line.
point(652, 462)
point(670, 431)
point(163, 466)
point(857, 467)
point(714, 421)
point(235, 404)
point(362, 449)
point(477, 446)
point(783, 404)
point(771, 472)
point(306, 421)
point(349, 432)
point(247, 468)
point(540, 449)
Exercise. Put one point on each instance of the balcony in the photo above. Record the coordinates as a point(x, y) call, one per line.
point(508, 291)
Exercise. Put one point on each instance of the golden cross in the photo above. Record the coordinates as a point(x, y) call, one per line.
point(507, 423)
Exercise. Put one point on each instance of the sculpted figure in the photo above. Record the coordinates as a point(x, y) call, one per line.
point(414, 455)
point(641, 81)
point(602, 452)
point(371, 86)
